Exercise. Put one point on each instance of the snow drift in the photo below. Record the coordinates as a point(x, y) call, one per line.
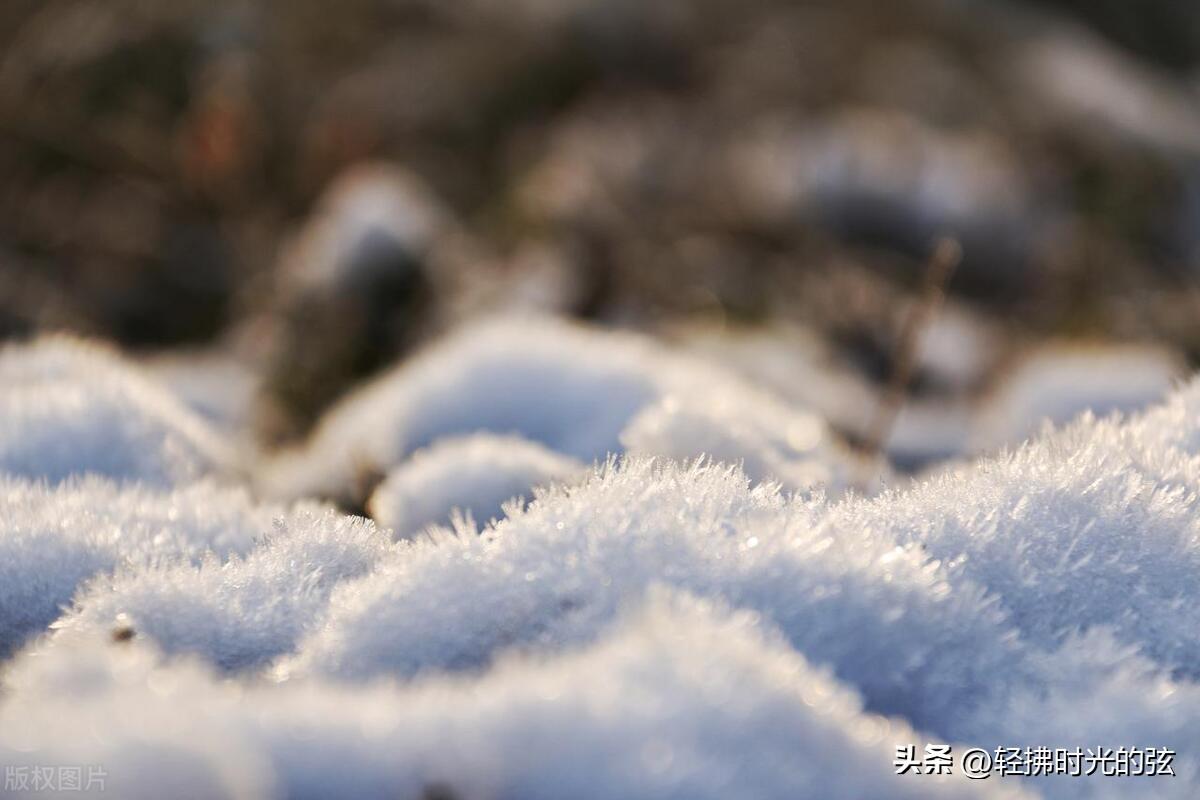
point(70, 408)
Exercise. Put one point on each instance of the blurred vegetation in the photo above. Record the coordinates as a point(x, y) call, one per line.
point(163, 168)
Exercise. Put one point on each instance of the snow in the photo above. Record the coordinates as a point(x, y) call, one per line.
point(957, 348)
point(52, 539)
point(735, 425)
point(556, 574)
point(569, 388)
point(1055, 382)
point(1107, 693)
point(956, 590)
point(1059, 382)
point(867, 172)
point(243, 611)
point(549, 382)
point(1089, 526)
point(70, 408)
point(792, 362)
point(216, 385)
point(680, 700)
point(373, 217)
point(707, 614)
point(476, 475)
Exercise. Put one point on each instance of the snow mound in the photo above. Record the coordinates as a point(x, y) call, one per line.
point(52, 539)
point(552, 576)
point(549, 382)
point(951, 589)
point(71, 408)
point(735, 424)
point(1102, 692)
point(476, 475)
point(1095, 525)
point(375, 217)
point(1173, 426)
point(659, 628)
point(791, 361)
point(219, 387)
point(242, 612)
point(568, 388)
point(1058, 383)
point(1106, 693)
point(680, 700)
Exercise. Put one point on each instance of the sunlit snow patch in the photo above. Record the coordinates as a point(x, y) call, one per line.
point(475, 475)
point(680, 699)
point(1057, 383)
point(52, 539)
point(568, 388)
point(69, 408)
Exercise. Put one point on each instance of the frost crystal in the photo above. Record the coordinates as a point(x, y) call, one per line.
point(52, 539)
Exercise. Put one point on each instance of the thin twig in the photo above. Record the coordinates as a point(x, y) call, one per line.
point(947, 254)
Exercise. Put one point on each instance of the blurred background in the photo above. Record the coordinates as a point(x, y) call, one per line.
point(270, 200)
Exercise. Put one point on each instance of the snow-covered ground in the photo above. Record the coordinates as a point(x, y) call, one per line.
point(598, 566)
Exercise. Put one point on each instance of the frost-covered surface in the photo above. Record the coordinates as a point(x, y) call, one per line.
point(571, 389)
point(241, 612)
point(70, 408)
point(671, 622)
point(679, 700)
point(735, 425)
point(556, 574)
point(1090, 526)
point(476, 475)
point(53, 539)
